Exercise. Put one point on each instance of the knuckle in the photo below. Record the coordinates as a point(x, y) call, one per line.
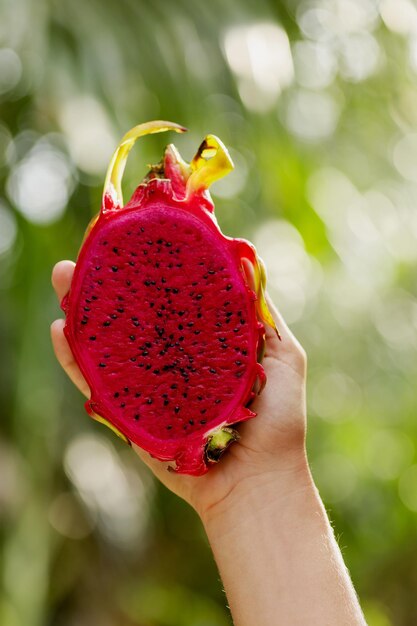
point(300, 357)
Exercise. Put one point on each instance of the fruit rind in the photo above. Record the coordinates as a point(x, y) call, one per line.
point(179, 187)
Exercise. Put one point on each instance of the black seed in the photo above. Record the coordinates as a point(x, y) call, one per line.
point(244, 352)
point(159, 313)
point(93, 338)
point(148, 344)
point(149, 242)
point(177, 409)
point(212, 370)
point(180, 327)
point(203, 422)
point(190, 324)
point(149, 401)
point(102, 365)
point(106, 356)
point(157, 265)
point(163, 280)
point(203, 411)
point(117, 394)
point(132, 263)
point(169, 426)
point(181, 313)
point(99, 282)
point(181, 339)
point(132, 337)
point(147, 282)
point(128, 283)
point(199, 315)
point(222, 339)
point(86, 308)
point(211, 272)
point(239, 374)
point(133, 254)
point(199, 296)
point(88, 300)
point(105, 243)
point(199, 398)
point(157, 372)
point(226, 303)
point(120, 310)
point(113, 316)
point(185, 394)
point(236, 330)
point(217, 401)
point(174, 386)
point(115, 250)
point(191, 422)
point(238, 362)
point(228, 287)
point(133, 359)
point(84, 320)
point(175, 290)
point(137, 416)
point(144, 352)
point(229, 314)
point(94, 298)
point(136, 324)
point(148, 367)
point(168, 244)
point(160, 241)
point(114, 268)
point(142, 230)
point(151, 304)
point(218, 324)
point(98, 267)
point(224, 346)
point(162, 352)
point(123, 404)
point(194, 284)
point(138, 394)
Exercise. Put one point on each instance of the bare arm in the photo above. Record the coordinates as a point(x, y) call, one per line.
point(270, 535)
point(277, 555)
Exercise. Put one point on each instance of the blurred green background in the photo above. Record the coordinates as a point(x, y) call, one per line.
point(317, 100)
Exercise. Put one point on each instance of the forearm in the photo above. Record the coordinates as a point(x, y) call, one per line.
point(278, 558)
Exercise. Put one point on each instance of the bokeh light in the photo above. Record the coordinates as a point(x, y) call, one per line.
point(317, 101)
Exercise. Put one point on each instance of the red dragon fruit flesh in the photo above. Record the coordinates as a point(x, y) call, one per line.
point(165, 315)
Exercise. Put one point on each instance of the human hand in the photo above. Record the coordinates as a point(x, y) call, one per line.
point(272, 445)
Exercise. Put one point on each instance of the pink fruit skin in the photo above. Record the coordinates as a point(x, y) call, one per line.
point(162, 320)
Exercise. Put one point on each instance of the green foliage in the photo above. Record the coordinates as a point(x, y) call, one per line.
point(317, 101)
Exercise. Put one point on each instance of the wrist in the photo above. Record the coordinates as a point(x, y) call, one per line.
point(274, 488)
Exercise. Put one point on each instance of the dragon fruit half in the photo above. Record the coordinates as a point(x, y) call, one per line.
point(165, 315)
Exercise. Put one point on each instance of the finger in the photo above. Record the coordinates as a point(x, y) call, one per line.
point(61, 278)
point(65, 357)
point(275, 345)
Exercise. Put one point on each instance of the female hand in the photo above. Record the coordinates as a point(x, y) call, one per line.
point(271, 445)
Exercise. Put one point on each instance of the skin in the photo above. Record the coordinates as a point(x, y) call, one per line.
point(266, 524)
